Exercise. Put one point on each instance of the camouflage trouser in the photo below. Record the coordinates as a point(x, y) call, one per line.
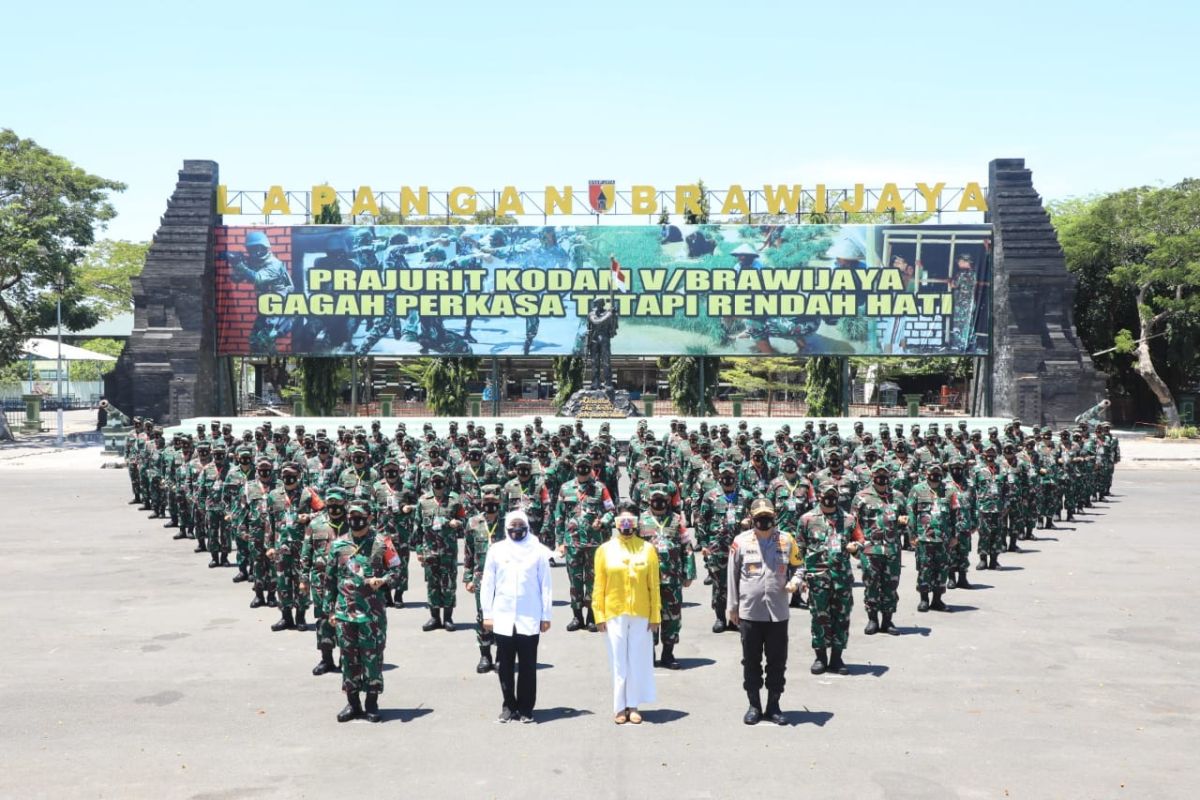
point(183, 512)
point(218, 533)
point(322, 605)
point(402, 551)
point(933, 563)
point(172, 502)
point(256, 561)
point(671, 590)
point(717, 564)
point(881, 580)
point(199, 520)
point(991, 534)
point(960, 554)
point(482, 638)
point(1048, 502)
point(581, 574)
point(830, 601)
point(144, 481)
point(440, 580)
point(158, 500)
point(135, 481)
point(361, 644)
point(287, 576)
point(1106, 478)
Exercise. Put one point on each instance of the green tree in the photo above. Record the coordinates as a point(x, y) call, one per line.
point(106, 272)
point(1146, 243)
point(692, 218)
point(49, 212)
point(445, 381)
point(770, 375)
point(568, 378)
point(683, 380)
point(95, 370)
point(823, 386)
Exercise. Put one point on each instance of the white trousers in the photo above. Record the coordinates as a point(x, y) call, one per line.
point(631, 654)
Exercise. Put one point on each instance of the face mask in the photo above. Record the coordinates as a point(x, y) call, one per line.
point(583, 473)
point(517, 533)
point(264, 476)
point(935, 477)
point(658, 506)
point(764, 523)
point(880, 480)
point(244, 461)
point(358, 523)
point(289, 479)
point(337, 511)
point(625, 526)
point(491, 508)
point(524, 473)
point(829, 503)
point(391, 475)
point(439, 485)
point(727, 482)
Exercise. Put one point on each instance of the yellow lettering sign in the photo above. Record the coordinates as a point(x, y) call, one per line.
point(510, 201)
point(462, 200)
point(364, 202)
point(223, 206)
point(559, 202)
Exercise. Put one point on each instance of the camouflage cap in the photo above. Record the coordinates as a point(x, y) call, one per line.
point(727, 467)
point(245, 451)
point(290, 466)
point(658, 490)
point(359, 506)
point(357, 449)
point(522, 461)
point(762, 507)
point(881, 467)
point(218, 448)
point(335, 494)
point(264, 461)
point(583, 461)
point(390, 461)
point(827, 488)
point(490, 492)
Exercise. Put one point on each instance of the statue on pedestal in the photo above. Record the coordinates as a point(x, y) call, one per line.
point(601, 328)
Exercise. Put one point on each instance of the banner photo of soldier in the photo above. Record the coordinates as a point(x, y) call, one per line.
point(719, 289)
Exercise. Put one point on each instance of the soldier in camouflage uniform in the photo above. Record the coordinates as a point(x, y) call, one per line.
point(319, 536)
point(991, 493)
point(721, 518)
point(792, 496)
point(210, 497)
point(395, 502)
point(527, 492)
point(665, 529)
point(251, 522)
point(290, 507)
point(358, 572)
point(933, 527)
point(231, 495)
point(960, 554)
point(132, 445)
point(827, 537)
point(583, 512)
point(880, 512)
point(1020, 487)
point(182, 487)
point(440, 516)
point(358, 479)
point(482, 530)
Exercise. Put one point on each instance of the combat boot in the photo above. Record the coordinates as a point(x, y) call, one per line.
point(835, 662)
point(200, 545)
point(301, 621)
point(353, 709)
point(241, 576)
point(178, 534)
point(962, 580)
point(821, 663)
point(772, 711)
point(172, 524)
point(258, 601)
point(668, 656)
point(937, 604)
point(224, 559)
point(719, 625)
point(887, 627)
point(576, 621)
point(983, 563)
point(591, 621)
point(1050, 526)
point(485, 660)
point(271, 601)
point(213, 562)
point(1012, 543)
point(399, 601)
point(993, 561)
point(326, 663)
point(1070, 515)
point(754, 712)
point(371, 711)
point(447, 622)
point(708, 580)
point(387, 600)
point(434, 622)
point(923, 606)
point(286, 622)
point(872, 623)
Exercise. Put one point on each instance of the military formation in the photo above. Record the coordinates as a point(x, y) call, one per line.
point(327, 522)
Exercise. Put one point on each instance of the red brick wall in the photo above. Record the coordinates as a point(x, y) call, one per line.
point(237, 302)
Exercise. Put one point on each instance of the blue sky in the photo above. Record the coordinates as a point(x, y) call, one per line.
point(1095, 96)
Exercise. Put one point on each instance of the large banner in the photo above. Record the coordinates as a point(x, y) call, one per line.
point(675, 289)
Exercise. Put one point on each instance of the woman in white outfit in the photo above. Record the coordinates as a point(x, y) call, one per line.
point(628, 608)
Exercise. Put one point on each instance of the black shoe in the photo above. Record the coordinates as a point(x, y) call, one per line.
point(668, 659)
point(994, 561)
point(1012, 545)
point(592, 628)
point(1050, 526)
point(353, 709)
point(399, 601)
point(224, 559)
point(575, 624)
point(983, 563)
point(447, 623)
point(174, 524)
point(258, 601)
point(371, 710)
point(506, 715)
point(937, 604)
point(708, 580)
point(271, 601)
point(962, 580)
point(923, 606)
point(387, 600)
point(887, 627)
point(213, 563)
point(1070, 516)
point(872, 623)
point(326, 664)
point(434, 622)
point(178, 536)
point(752, 716)
point(591, 621)
point(526, 719)
point(200, 548)
point(301, 622)
point(836, 664)
point(241, 577)
point(719, 626)
point(285, 622)
point(485, 661)
point(821, 663)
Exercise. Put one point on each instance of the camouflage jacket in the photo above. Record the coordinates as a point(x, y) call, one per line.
point(578, 508)
point(720, 519)
point(674, 543)
point(878, 517)
point(436, 535)
point(933, 512)
point(479, 536)
point(352, 561)
point(283, 511)
point(823, 538)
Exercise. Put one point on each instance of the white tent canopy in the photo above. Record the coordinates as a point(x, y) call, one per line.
point(47, 350)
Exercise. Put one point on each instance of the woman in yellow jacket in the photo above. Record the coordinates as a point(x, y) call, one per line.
point(628, 608)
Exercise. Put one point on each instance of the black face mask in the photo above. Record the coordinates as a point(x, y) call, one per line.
point(358, 523)
point(658, 505)
point(935, 477)
point(490, 508)
point(764, 523)
point(523, 473)
point(880, 480)
point(391, 475)
point(337, 511)
point(290, 479)
point(244, 462)
point(358, 461)
point(266, 476)
point(439, 485)
point(583, 473)
point(517, 534)
point(728, 483)
point(828, 504)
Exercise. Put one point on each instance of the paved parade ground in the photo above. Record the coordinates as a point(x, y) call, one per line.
point(131, 670)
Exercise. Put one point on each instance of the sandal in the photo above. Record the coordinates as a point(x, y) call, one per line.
point(621, 718)
point(635, 717)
